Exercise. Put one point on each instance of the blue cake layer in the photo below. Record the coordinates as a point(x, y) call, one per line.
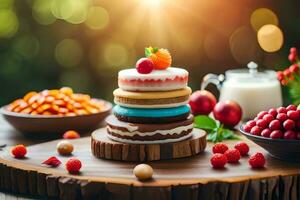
point(154, 113)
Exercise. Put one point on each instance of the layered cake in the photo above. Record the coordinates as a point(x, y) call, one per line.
point(151, 102)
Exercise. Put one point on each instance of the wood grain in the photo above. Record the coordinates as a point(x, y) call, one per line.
point(103, 147)
point(185, 178)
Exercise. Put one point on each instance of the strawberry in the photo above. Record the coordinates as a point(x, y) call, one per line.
point(219, 148)
point(242, 147)
point(71, 135)
point(161, 57)
point(73, 166)
point(257, 160)
point(233, 155)
point(218, 160)
point(19, 151)
point(52, 161)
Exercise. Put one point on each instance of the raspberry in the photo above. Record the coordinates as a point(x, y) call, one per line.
point(52, 161)
point(19, 151)
point(266, 133)
point(282, 117)
point(262, 123)
point(289, 135)
point(218, 160)
point(275, 125)
point(257, 160)
point(144, 66)
point(291, 107)
point(242, 147)
point(233, 155)
point(256, 130)
point(219, 148)
point(292, 114)
point(71, 135)
point(73, 165)
point(273, 112)
point(288, 124)
point(277, 134)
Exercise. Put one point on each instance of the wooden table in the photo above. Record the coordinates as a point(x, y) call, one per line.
point(188, 178)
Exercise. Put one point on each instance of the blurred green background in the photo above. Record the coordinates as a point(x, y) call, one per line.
point(47, 44)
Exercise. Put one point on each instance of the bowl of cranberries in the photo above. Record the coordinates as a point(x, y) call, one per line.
point(277, 131)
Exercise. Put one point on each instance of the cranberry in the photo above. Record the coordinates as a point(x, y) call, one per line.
point(247, 128)
point(268, 118)
point(282, 117)
point(291, 107)
point(292, 114)
point(288, 124)
point(276, 134)
point(290, 135)
point(261, 114)
point(251, 123)
point(256, 130)
point(281, 110)
point(266, 133)
point(273, 112)
point(262, 123)
point(275, 125)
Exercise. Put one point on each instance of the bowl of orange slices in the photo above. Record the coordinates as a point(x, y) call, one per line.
point(50, 113)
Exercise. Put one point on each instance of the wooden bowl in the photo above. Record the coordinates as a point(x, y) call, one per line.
point(42, 126)
point(282, 149)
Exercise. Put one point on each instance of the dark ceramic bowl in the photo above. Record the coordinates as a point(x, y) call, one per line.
point(283, 149)
point(54, 126)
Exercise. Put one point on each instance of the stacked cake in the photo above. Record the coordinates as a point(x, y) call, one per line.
point(151, 107)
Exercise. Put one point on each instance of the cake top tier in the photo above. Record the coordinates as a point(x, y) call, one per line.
point(170, 73)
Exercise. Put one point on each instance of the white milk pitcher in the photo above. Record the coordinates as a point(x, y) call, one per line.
point(253, 90)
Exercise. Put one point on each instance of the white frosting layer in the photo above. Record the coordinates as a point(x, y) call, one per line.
point(170, 105)
point(131, 133)
point(169, 73)
point(149, 142)
point(153, 87)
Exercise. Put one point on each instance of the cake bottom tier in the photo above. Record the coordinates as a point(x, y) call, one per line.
point(136, 133)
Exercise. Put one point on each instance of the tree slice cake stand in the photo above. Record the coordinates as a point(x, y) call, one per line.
point(183, 178)
point(104, 147)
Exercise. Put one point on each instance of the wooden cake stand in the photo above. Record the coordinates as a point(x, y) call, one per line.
point(185, 178)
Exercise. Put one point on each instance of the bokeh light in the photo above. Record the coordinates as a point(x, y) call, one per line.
point(97, 18)
point(263, 16)
point(26, 45)
point(270, 38)
point(68, 53)
point(115, 54)
point(243, 45)
point(41, 12)
point(8, 23)
point(216, 47)
point(75, 78)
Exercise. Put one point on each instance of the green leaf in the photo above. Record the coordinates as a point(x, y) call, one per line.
point(204, 122)
point(155, 49)
point(148, 51)
point(227, 133)
point(211, 137)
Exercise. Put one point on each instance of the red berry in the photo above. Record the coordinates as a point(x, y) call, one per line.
point(233, 155)
point(219, 148)
point(268, 118)
point(293, 50)
point(288, 124)
point(261, 114)
point(251, 123)
point(273, 112)
point(294, 68)
point(262, 123)
point(292, 114)
point(266, 133)
point(282, 117)
point(277, 134)
point(256, 130)
point(298, 135)
point(292, 57)
point(280, 75)
point(144, 66)
point(291, 107)
point(275, 125)
point(19, 151)
point(218, 160)
point(257, 160)
point(73, 165)
point(287, 72)
point(298, 124)
point(281, 110)
point(247, 128)
point(242, 147)
point(202, 102)
point(71, 135)
point(289, 135)
point(52, 161)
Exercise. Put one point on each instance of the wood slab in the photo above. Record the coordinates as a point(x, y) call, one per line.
point(105, 148)
point(184, 178)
